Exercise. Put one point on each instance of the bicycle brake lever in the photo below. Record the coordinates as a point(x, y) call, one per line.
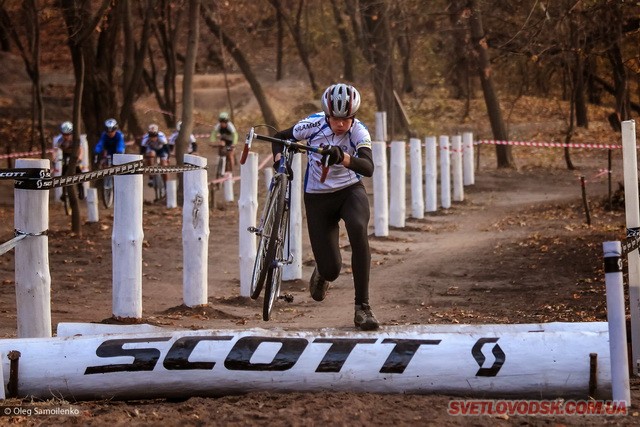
point(247, 146)
point(325, 169)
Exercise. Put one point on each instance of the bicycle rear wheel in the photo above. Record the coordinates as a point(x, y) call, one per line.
point(106, 191)
point(260, 266)
point(65, 200)
point(158, 186)
point(275, 251)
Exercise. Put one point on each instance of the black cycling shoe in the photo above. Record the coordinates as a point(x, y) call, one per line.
point(364, 318)
point(318, 286)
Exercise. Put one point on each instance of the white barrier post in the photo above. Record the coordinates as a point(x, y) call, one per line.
point(84, 160)
point(268, 175)
point(92, 205)
point(380, 189)
point(248, 209)
point(228, 186)
point(616, 321)
point(293, 271)
point(431, 174)
point(417, 196)
point(33, 280)
point(467, 158)
point(445, 172)
point(397, 185)
point(630, 169)
point(381, 126)
point(126, 241)
point(195, 233)
point(57, 171)
point(456, 168)
point(172, 193)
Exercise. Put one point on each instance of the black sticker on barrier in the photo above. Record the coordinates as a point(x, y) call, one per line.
point(613, 264)
point(476, 352)
point(25, 173)
point(144, 359)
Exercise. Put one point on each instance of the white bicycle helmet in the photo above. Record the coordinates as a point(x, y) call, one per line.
point(66, 128)
point(153, 129)
point(110, 125)
point(341, 100)
point(178, 125)
point(223, 117)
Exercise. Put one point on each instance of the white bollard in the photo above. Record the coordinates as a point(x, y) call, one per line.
point(468, 158)
point(632, 212)
point(293, 271)
point(397, 184)
point(417, 198)
point(126, 241)
point(172, 193)
point(616, 321)
point(57, 171)
point(431, 174)
point(380, 189)
point(195, 233)
point(85, 166)
point(33, 279)
point(445, 172)
point(381, 126)
point(268, 176)
point(456, 168)
point(247, 211)
point(228, 186)
point(92, 205)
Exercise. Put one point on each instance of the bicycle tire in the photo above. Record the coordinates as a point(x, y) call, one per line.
point(274, 252)
point(65, 201)
point(158, 186)
point(106, 191)
point(260, 267)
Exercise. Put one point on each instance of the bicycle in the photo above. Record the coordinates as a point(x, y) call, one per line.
point(65, 192)
point(273, 229)
point(221, 168)
point(105, 184)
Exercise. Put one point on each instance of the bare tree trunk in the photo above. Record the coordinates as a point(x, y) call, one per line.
point(404, 46)
point(279, 45)
point(240, 59)
point(298, 39)
point(480, 47)
point(379, 52)
point(345, 44)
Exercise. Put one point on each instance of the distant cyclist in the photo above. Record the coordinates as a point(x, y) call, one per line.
point(225, 134)
point(64, 142)
point(191, 148)
point(156, 146)
point(111, 141)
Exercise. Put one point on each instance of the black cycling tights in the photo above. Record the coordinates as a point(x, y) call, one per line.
point(324, 211)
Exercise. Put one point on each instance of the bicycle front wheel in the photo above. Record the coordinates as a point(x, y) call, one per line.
point(107, 191)
point(275, 251)
point(158, 186)
point(261, 265)
point(66, 201)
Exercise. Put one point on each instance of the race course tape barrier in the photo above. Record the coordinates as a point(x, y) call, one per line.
point(547, 144)
point(40, 179)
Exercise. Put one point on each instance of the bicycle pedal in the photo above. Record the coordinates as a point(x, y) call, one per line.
point(286, 297)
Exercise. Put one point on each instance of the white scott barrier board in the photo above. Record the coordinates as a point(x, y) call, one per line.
point(485, 360)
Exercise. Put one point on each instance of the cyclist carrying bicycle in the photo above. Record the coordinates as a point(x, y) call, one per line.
point(64, 142)
point(341, 196)
point(111, 141)
point(226, 135)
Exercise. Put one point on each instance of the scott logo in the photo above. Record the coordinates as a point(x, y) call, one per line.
point(241, 355)
point(12, 174)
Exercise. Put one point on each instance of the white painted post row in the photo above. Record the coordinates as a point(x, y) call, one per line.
point(380, 189)
point(195, 233)
point(293, 271)
point(431, 174)
point(616, 321)
point(445, 172)
point(456, 168)
point(247, 211)
point(632, 212)
point(33, 279)
point(468, 158)
point(417, 199)
point(397, 184)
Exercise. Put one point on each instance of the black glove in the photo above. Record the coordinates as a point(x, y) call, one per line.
point(334, 155)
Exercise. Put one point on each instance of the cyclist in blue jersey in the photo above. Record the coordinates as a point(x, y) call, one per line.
point(111, 141)
point(341, 196)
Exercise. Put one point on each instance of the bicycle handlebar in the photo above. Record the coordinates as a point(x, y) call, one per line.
point(292, 144)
